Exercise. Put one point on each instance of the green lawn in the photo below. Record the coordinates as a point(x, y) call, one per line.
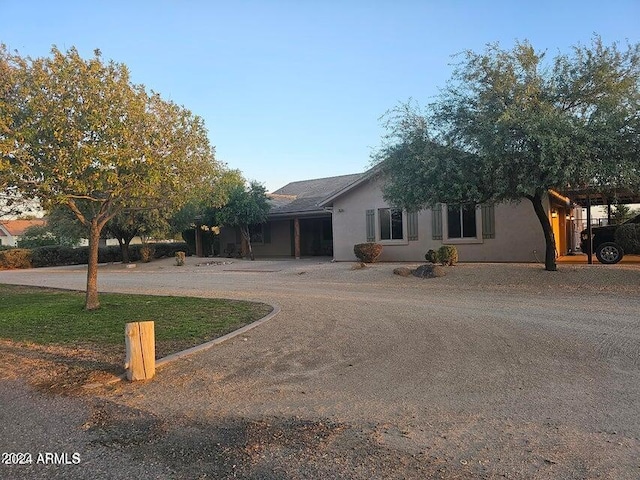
point(47, 316)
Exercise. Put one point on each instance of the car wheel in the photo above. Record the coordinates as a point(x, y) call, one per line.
point(609, 253)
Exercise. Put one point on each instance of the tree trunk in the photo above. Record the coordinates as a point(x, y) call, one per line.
point(550, 251)
point(92, 302)
point(124, 243)
point(247, 236)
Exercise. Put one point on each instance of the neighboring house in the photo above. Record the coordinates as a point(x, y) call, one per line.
point(328, 216)
point(12, 230)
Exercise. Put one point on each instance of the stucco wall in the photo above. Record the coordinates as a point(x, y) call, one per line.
point(518, 235)
point(280, 245)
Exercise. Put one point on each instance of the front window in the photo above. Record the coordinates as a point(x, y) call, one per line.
point(461, 221)
point(256, 233)
point(390, 220)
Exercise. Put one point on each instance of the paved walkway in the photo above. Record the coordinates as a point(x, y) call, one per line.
point(493, 370)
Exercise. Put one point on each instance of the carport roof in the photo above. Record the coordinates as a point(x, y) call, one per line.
point(624, 196)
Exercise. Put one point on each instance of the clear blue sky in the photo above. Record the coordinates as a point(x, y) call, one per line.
point(292, 90)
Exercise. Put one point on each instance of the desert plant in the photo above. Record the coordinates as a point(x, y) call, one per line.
point(180, 256)
point(628, 237)
point(146, 253)
point(447, 255)
point(431, 256)
point(367, 252)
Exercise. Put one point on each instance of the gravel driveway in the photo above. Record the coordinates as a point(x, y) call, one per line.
point(494, 371)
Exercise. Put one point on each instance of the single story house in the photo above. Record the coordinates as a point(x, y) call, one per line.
point(12, 230)
point(328, 216)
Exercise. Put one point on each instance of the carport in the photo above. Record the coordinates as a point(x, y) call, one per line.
point(587, 198)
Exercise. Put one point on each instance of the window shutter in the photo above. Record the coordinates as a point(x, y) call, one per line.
point(371, 226)
point(266, 232)
point(412, 226)
point(436, 222)
point(488, 221)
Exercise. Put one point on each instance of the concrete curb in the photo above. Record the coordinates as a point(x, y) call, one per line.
point(216, 341)
point(199, 348)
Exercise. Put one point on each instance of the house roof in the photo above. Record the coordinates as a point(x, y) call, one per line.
point(305, 196)
point(363, 177)
point(15, 228)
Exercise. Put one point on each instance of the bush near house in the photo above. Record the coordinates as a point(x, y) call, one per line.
point(431, 256)
point(367, 252)
point(628, 237)
point(57, 255)
point(447, 255)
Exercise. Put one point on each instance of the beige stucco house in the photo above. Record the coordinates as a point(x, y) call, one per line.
point(328, 216)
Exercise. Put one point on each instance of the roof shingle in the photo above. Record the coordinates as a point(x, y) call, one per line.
point(303, 196)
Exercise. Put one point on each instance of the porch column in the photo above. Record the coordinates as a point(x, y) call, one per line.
point(589, 232)
point(198, 232)
point(296, 238)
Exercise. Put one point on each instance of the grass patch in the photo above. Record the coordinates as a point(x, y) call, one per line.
point(55, 317)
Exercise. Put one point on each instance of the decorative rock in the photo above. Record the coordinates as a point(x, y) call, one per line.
point(429, 271)
point(358, 266)
point(402, 271)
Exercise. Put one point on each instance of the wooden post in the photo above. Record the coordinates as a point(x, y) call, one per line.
point(296, 238)
point(140, 362)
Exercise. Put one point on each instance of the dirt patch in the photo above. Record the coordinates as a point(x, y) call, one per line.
point(268, 448)
point(59, 369)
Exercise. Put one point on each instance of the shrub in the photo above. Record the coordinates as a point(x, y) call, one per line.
point(447, 255)
point(164, 250)
point(431, 256)
point(147, 253)
point(108, 254)
point(628, 237)
point(55, 255)
point(367, 252)
point(15, 258)
point(180, 258)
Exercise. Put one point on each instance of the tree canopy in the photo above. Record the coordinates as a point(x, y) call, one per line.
point(76, 130)
point(245, 207)
point(511, 125)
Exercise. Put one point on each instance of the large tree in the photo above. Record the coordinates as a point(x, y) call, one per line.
point(77, 130)
point(245, 207)
point(129, 224)
point(511, 125)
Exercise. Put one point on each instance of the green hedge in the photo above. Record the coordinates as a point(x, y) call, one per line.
point(57, 255)
point(628, 237)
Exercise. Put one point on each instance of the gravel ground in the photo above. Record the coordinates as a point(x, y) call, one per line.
point(493, 371)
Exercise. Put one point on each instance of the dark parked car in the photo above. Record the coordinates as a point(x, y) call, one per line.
point(604, 242)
